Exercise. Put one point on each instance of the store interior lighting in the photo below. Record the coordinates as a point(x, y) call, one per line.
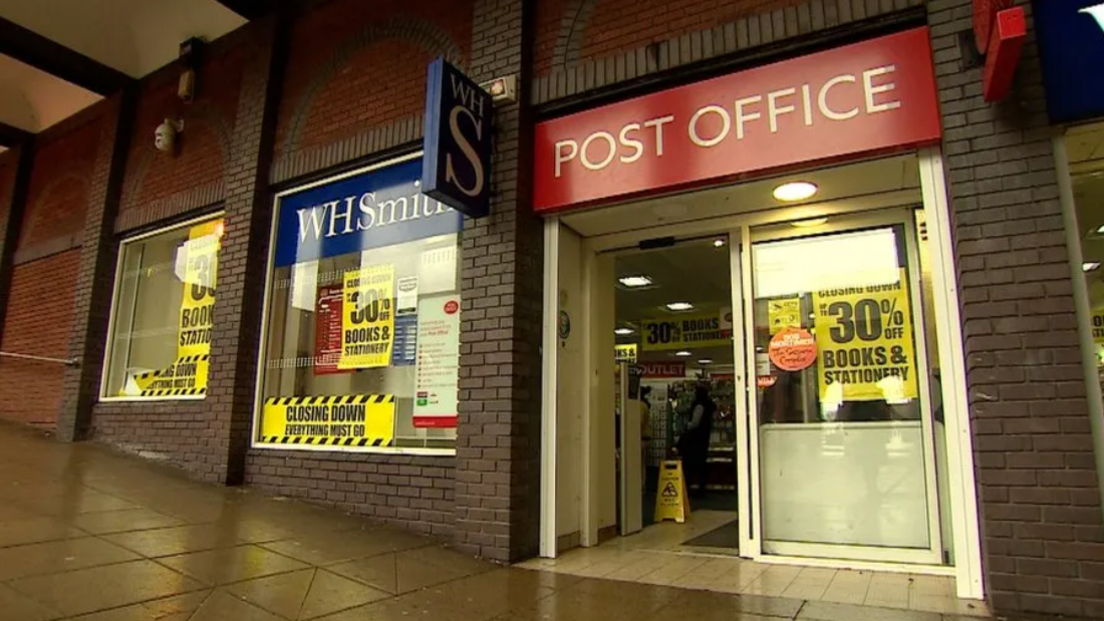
point(1090, 266)
point(623, 331)
point(717, 243)
point(634, 282)
point(705, 361)
point(679, 306)
point(683, 354)
point(795, 191)
point(810, 222)
point(1100, 230)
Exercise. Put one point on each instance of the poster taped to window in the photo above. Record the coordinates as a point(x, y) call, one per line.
point(344, 420)
point(368, 320)
point(864, 337)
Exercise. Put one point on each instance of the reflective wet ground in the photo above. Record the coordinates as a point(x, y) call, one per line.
point(89, 534)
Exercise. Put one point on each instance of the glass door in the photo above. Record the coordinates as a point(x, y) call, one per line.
point(840, 423)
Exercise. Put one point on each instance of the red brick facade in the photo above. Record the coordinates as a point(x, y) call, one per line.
point(58, 194)
point(293, 98)
point(357, 65)
point(38, 316)
point(568, 31)
point(159, 185)
point(38, 320)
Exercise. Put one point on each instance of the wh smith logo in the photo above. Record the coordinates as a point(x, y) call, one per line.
point(363, 213)
point(457, 140)
point(372, 209)
point(1097, 13)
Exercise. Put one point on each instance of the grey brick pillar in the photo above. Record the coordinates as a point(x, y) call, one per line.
point(498, 449)
point(15, 177)
point(240, 289)
point(1041, 522)
point(92, 302)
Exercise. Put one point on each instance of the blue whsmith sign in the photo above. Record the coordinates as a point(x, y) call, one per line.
point(457, 158)
point(1071, 48)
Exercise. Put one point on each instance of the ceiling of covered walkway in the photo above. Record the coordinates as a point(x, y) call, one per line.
point(59, 56)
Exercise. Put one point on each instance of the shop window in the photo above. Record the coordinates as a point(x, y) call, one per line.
point(1085, 149)
point(160, 339)
point(361, 347)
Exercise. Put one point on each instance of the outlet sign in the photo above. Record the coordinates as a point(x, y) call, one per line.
point(874, 96)
point(1071, 49)
point(458, 132)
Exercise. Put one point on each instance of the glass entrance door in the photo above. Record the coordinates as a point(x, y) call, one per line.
point(840, 415)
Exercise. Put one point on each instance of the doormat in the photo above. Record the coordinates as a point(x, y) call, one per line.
point(727, 536)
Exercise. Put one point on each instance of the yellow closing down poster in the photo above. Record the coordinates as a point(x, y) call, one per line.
point(345, 420)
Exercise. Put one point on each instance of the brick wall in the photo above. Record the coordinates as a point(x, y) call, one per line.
point(1042, 527)
point(40, 300)
point(498, 449)
point(568, 31)
point(58, 194)
point(413, 492)
point(357, 65)
point(163, 185)
point(39, 316)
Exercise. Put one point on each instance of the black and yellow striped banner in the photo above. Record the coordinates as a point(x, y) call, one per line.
point(356, 421)
point(187, 376)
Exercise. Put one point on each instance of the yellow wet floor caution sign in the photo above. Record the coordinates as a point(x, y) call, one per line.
point(672, 502)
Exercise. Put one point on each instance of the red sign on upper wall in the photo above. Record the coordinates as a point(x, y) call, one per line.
point(877, 95)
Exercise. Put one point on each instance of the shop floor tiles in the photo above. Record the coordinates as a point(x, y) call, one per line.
point(88, 534)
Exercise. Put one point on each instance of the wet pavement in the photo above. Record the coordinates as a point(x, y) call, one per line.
point(86, 533)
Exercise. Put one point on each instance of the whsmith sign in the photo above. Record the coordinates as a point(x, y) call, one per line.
point(1071, 48)
point(369, 209)
point(458, 131)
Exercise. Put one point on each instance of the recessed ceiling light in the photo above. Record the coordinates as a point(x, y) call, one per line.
point(679, 306)
point(1089, 266)
point(717, 243)
point(795, 191)
point(1100, 229)
point(635, 281)
point(810, 222)
point(705, 361)
point(683, 354)
point(623, 331)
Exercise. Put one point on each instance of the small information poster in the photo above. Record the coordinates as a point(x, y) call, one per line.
point(327, 330)
point(865, 343)
point(368, 317)
point(784, 313)
point(685, 332)
point(438, 362)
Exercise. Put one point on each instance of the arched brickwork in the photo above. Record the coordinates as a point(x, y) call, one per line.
point(372, 53)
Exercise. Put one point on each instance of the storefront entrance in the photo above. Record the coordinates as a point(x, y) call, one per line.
point(810, 334)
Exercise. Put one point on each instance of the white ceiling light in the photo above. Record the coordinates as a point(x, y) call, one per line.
point(705, 361)
point(1100, 229)
point(795, 191)
point(679, 306)
point(1090, 266)
point(683, 354)
point(635, 281)
point(717, 243)
point(623, 331)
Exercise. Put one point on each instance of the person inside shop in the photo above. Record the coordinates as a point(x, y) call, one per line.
point(645, 430)
point(693, 446)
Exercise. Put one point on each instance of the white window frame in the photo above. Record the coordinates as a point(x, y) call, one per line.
point(258, 393)
point(109, 348)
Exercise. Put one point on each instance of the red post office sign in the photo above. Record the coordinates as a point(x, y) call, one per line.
point(874, 96)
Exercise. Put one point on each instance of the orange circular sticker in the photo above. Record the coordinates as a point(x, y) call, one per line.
point(793, 349)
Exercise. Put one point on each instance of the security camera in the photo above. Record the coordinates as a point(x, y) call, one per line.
point(164, 137)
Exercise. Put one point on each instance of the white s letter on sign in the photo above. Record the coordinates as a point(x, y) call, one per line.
point(1097, 12)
